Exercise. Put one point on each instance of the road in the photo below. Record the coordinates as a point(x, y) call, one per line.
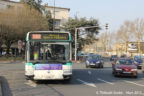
point(85, 82)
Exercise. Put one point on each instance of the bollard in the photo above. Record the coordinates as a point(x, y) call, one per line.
point(143, 65)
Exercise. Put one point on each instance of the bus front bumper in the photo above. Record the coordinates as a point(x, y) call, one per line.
point(51, 75)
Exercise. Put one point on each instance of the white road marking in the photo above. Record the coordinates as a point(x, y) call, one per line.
point(89, 72)
point(105, 81)
point(86, 83)
point(31, 83)
point(134, 83)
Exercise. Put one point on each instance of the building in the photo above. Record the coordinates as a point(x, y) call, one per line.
point(60, 14)
point(129, 48)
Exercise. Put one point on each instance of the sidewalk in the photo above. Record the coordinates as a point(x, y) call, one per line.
point(11, 61)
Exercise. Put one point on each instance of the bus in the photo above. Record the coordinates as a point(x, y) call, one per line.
point(48, 55)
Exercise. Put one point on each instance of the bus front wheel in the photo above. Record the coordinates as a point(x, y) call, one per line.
point(29, 77)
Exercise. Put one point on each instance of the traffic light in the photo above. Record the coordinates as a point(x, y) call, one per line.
point(106, 26)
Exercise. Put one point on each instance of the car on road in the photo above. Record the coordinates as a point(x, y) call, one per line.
point(138, 60)
point(124, 67)
point(113, 57)
point(94, 61)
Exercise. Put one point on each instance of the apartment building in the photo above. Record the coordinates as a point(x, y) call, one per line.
point(60, 14)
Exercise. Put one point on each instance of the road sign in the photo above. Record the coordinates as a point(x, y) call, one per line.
point(20, 45)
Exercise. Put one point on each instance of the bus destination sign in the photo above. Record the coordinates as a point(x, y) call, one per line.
point(49, 36)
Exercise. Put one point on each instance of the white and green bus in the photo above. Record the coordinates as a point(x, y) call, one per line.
point(48, 55)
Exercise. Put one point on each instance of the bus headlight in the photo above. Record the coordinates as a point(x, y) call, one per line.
point(67, 71)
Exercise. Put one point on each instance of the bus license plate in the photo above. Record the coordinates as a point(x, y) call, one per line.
point(48, 66)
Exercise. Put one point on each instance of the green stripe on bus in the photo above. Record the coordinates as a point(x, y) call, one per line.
point(27, 37)
point(68, 63)
point(29, 64)
point(70, 38)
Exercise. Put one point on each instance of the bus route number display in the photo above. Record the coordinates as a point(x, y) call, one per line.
point(50, 36)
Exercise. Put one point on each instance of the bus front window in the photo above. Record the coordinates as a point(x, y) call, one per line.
point(49, 51)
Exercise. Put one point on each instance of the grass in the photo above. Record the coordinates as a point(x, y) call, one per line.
point(11, 58)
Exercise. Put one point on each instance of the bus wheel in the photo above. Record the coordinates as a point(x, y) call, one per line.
point(67, 78)
point(29, 78)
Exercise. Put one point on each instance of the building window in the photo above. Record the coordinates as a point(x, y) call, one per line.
point(57, 23)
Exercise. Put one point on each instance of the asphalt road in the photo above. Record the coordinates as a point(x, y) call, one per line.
point(85, 82)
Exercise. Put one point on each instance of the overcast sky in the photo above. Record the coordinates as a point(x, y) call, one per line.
point(114, 12)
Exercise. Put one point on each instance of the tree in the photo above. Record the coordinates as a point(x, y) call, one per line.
point(16, 23)
point(90, 33)
point(34, 4)
point(138, 30)
point(124, 33)
point(104, 40)
point(49, 20)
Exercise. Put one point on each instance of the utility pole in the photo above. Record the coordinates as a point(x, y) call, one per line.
point(106, 27)
point(76, 44)
point(54, 17)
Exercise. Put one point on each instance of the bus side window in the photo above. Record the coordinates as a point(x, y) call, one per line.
point(32, 51)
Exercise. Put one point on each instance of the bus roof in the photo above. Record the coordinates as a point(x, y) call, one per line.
point(45, 32)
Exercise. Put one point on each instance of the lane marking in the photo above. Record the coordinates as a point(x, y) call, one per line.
point(134, 83)
point(105, 81)
point(31, 83)
point(86, 83)
point(89, 72)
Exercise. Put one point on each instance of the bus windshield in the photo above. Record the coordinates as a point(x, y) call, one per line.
point(55, 52)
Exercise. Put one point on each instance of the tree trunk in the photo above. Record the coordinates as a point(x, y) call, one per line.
point(139, 49)
point(8, 44)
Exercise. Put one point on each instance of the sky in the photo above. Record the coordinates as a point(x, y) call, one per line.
point(113, 12)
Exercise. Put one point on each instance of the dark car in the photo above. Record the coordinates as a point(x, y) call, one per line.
point(138, 60)
point(113, 57)
point(123, 56)
point(124, 67)
point(94, 61)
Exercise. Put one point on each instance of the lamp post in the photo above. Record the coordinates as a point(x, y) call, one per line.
point(76, 38)
point(106, 27)
point(54, 17)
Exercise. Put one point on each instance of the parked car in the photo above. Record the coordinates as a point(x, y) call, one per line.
point(138, 60)
point(82, 56)
point(124, 67)
point(113, 57)
point(94, 61)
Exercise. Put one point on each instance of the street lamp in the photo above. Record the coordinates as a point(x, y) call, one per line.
point(106, 28)
point(54, 17)
point(76, 38)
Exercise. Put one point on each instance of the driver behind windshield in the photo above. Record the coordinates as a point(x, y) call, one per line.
point(126, 62)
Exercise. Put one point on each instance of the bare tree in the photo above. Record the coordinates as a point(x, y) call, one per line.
point(124, 34)
point(104, 40)
point(138, 30)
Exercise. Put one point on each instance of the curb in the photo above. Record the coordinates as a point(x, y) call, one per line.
point(1, 87)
